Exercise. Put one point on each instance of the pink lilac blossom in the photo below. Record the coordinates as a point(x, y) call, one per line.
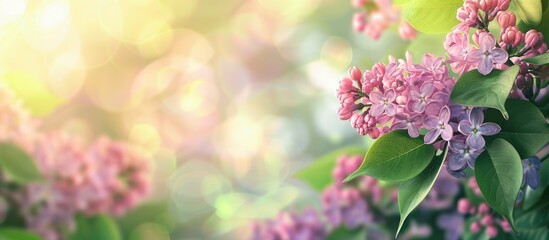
point(376, 16)
point(399, 95)
point(291, 226)
point(124, 178)
point(484, 217)
point(487, 55)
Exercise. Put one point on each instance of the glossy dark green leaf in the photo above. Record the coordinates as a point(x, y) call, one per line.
point(538, 60)
point(395, 157)
point(10, 233)
point(319, 174)
point(475, 89)
point(526, 129)
point(413, 191)
point(17, 164)
point(498, 171)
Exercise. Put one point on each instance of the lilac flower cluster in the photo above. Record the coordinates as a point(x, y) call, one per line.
point(377, 15)
point(403, 95)
point(347, 205)
point(490, 53)
point(106, 178)
point(485, 218)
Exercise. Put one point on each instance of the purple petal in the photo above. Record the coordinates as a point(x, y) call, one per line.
point(476, 141)
point(431, 122)
point(476, 117)
point(431, 136)
point(499, 55)
point(489, 129)
point(475, 56)
point(399, 125)
point(447, 133)
point(444, 115)
point(457, 146)
point(415, 94)
point(377, 109)
point(390, 95)
point(413, 131)
point(376, 97)
point(487, 42)
point(433, 108)
point(456, 162)
point(440, 97)
point(532, 179)
point(401, 116)
point(427, 88)
point(419, 106)
point(390, 109)
point(485, 66)
point(465, 127)
point(416, 119)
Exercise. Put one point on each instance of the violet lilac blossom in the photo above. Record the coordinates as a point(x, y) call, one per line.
point(475, 128)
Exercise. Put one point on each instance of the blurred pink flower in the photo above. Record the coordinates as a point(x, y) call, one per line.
point(14, 120)
point(378, 15)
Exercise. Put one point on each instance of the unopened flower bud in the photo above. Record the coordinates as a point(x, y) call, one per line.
point(512, 37)
point(358, 3)
point(355, 73)
point(406, 31)
point(488, 5)
point(483, 208)
point(487, 220)
point(503, 5)
point(463, 206)
point(491, 231)
point(475, 227)
point(534, 39)
point(359, 21)
point(506, 19)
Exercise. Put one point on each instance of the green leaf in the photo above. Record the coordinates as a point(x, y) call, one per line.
point(319, 174)
point(413, 191)
point(348, 234)
point(498, 171)
point(529, 11)
point(526, 129)
point(395, 157)
point(475, 89)
point(532, 196)
point(17, 164)
point(534, 223)
point(11, 233)
point(538, 60)
point(432, 16)
point(96, 227)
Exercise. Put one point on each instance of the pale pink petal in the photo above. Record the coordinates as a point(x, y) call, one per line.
point(487, 42)
point(444, 114)
point(431, 136)
point(390, 109)
point(427, 88)
point(413, 131)
point(474, 56)
point(499, 55)
point(485, 66)
point(399, 125)
point(415, 94)
point(390, 95)
point(377, 109)
point(376, 97)
point(418, 106)
point(447, 133)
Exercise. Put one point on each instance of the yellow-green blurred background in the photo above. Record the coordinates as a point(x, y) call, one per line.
point(228, 98)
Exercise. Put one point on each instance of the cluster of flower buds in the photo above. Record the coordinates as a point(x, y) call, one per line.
point(485, 219)
point(377, 15)
point(104, 178)
point(496, 53)
point(291, 225)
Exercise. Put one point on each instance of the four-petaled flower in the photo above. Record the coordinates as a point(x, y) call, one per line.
point(383, 103)
point(487, 55)
point(422, 98)
point(408, 123)
point(530, 169)
point(438, 126)
point(474, 129)
point(461, 155)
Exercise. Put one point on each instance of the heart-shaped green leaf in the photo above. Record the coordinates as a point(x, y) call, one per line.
point(395, 157)
point(475, 89)
point(498, 171)
point(413, 191)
